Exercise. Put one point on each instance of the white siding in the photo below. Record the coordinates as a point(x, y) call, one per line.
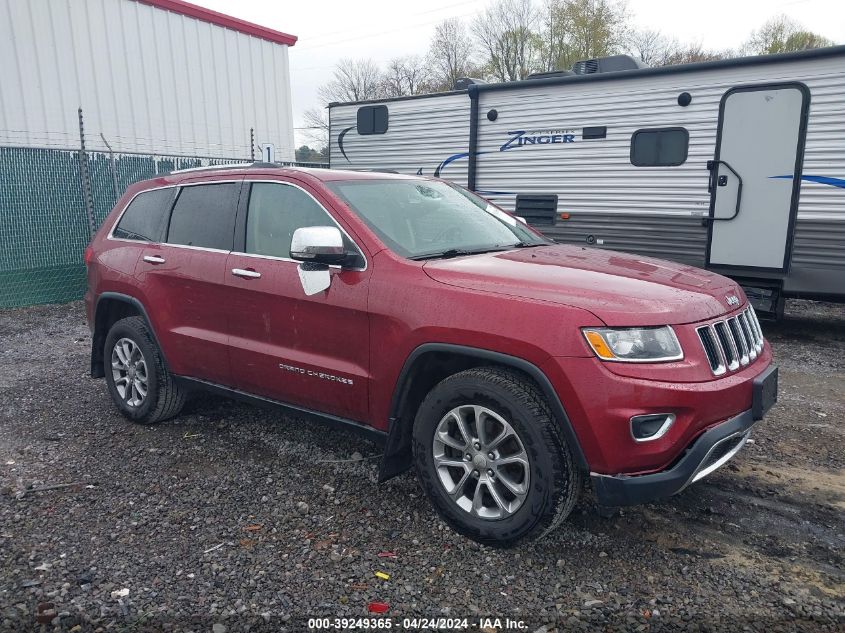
point(596, 176)
point(147, 79)
point(421, 134)
point(655, 210)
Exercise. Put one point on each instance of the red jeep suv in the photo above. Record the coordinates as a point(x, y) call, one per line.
point(506, 368)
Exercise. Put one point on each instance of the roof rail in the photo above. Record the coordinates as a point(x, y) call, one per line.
point(226, 166)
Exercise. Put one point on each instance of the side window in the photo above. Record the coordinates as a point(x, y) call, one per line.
point(204, 215)
point(372, 119)
point(275, 212)
point(146, 216)
point(661, 147)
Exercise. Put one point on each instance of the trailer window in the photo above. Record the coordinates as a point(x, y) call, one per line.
point(372, 119)
point(660, 147)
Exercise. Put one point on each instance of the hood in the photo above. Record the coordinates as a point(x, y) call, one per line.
point(619, 288)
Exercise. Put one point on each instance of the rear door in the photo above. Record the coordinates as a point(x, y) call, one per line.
point(184, 281)
point(310, 351)
point(756, 176)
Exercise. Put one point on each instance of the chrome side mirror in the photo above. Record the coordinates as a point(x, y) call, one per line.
point(316, 247)
point(318, 244)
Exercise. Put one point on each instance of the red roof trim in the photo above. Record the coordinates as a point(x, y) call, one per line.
point(221, 19)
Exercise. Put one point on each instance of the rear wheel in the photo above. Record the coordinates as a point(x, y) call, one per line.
point(136, 376)
point(492, 459)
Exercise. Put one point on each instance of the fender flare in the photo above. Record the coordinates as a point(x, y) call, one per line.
point(397, 446)
point(98, 338)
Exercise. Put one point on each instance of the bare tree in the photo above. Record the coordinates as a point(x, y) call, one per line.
point(405, 76)
point(450, 54)
point(782, 35)
point(393, 78)
point(651, 46)
point(581, 29)
point(353, 80)
point(506, 33)
point(691, 53)
point(317, 126)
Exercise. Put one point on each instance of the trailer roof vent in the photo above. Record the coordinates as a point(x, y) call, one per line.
point(550, 73)
point(462, 83)
point(611, 64)
point(586, 67)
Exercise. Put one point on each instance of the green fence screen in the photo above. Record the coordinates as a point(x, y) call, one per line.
point(44, 225)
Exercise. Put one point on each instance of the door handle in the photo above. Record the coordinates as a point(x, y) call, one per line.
point(246, 274)
point(153, 259)
point(721, 181)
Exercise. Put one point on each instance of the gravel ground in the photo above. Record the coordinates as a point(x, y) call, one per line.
point(231, 517)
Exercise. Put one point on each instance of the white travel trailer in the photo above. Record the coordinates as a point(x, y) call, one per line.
point(737, 165)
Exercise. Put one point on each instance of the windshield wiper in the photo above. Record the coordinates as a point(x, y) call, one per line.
point(531, 244)
point(457, 252)
point(452, 252)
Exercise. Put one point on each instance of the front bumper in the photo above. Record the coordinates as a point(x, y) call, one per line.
point(709, 451)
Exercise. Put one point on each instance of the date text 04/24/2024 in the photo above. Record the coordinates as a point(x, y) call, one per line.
point(416, 624)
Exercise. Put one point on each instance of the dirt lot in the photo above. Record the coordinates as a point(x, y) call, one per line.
point(230, 516)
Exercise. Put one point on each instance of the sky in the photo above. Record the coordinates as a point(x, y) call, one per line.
point(330, 30)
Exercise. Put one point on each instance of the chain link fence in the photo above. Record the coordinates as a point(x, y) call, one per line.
point(46, 220)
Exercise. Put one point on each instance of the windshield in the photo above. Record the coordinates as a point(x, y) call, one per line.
point(421, 218)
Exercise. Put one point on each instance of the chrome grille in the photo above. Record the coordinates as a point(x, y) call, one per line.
point(745, 325)
point(712, 348)
point(739, 337)
point(728, 345)
point(733, 342)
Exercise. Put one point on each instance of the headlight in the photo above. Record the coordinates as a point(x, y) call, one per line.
point(634, 345)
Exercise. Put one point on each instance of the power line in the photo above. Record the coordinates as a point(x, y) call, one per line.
point(378, 61)
point(441, 8)
point(386, 32)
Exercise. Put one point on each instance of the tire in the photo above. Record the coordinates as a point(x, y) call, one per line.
point(164, 398)
point(551, 481)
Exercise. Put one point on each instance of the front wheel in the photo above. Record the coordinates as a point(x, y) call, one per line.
point(491, 457)
point(136, 375)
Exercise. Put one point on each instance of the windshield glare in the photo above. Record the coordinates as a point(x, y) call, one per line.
point(421, 218)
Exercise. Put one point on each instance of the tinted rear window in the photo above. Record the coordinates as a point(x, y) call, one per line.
point(204, 215)
point(146, 216)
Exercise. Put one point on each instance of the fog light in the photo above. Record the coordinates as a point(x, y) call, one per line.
point(652, 426)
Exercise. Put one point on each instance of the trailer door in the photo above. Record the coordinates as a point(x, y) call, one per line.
point(756, 176)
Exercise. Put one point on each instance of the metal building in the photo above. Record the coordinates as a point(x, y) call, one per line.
point(98, 94)
point(150, 76)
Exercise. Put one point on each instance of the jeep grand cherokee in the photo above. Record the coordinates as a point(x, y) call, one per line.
point(504, 367)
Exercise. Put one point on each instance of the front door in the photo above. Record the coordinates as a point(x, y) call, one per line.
point(756, 176)
point(311, 351)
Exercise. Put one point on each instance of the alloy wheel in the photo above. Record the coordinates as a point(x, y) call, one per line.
point(481, 462)
point(129, 371)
